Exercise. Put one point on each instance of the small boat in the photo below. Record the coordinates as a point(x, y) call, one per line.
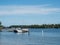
point(20, 30)
point(16, 30)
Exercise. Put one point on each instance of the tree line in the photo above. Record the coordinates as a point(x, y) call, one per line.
point(32, 26)
point(36, 26)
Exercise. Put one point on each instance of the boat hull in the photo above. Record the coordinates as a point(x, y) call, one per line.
point(21, 31)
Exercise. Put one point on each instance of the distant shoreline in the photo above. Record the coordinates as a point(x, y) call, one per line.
point(35, 26)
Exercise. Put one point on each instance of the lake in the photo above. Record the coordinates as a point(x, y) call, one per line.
point(34, 37)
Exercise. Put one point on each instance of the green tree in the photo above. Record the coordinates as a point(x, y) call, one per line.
point(1, 26)
point(0, 23)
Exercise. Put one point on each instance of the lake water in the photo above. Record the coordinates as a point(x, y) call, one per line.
point(34, 37)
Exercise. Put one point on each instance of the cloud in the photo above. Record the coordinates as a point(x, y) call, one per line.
point(32, 9)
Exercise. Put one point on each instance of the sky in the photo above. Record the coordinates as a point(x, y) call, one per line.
point(28, 12)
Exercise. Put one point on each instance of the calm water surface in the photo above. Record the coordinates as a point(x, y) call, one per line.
point(34, 37)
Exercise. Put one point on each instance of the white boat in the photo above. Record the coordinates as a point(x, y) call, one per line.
point(25, 29)
point(20, 30)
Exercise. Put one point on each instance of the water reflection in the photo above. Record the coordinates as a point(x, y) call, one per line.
point(36, 37)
